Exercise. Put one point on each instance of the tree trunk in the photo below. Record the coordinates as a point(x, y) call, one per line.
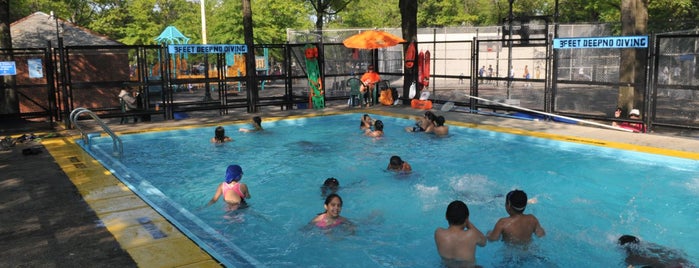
point(250, 70)
point(408, 12)
point(9, 103)
point(634, 21)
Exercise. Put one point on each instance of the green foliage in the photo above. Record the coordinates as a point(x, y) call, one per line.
point(140, 21)
point(368, 14)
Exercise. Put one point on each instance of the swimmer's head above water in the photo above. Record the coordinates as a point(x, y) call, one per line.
point(517, 200)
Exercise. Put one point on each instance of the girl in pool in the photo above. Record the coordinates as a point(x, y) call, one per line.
point(234, 193)
point(256, 125)
point(378, 130)
point(331, 217)
point(366, 122)
point(220, 136)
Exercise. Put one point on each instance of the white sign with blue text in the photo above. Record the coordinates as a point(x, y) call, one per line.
point(601, 42)
point(207, 49)
point(8, 68)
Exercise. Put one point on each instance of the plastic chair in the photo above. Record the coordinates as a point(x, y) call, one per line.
point(354, 94)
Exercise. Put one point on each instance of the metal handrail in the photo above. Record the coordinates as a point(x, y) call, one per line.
point(117, 145)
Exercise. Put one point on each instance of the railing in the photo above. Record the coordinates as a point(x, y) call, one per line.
point(117, 146)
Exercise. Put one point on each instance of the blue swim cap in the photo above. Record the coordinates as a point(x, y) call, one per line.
point(233, 173)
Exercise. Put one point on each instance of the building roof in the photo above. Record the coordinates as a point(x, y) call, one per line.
point(35, 30)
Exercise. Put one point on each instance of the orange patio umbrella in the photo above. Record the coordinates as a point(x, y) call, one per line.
point(372, 39)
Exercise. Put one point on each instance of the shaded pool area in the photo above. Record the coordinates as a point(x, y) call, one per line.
point(587, 195)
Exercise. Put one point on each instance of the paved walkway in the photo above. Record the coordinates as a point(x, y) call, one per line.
point(45, 222)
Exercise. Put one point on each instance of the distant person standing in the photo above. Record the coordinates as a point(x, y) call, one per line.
point(518, 228)
point(537, 72)
point(526, 75)
point(457, 246)
point(481, 73)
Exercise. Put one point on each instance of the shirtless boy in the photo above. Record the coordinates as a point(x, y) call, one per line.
point(457, 246)
point(518, 227)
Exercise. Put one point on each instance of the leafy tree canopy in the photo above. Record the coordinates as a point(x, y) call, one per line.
point(140, 21)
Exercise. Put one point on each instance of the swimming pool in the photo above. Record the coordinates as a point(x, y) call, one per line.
point(587, 195)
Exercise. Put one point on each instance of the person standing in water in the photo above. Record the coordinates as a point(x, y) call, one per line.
point(233, 191)
point(518, 228)
point(457, 243)
point(220, 135)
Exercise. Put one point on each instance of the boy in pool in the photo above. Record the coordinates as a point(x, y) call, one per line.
point(233, 191)
point(220, 136)
point(330, 186)
point(439, 128)
point(646, 254)
point(256, 125)
point(397, 164)
point(518, 227)
point(457, 246)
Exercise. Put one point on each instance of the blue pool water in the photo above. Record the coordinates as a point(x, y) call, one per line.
point(587, 196)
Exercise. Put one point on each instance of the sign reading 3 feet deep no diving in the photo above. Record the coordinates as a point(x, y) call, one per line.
point(602, 42)
point(207, 49)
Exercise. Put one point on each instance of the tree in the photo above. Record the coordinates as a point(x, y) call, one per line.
point(9, 103)
point(408, 12)
point(326, 8)
point(634, 21)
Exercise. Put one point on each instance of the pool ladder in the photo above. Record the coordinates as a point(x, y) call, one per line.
point(117, 146)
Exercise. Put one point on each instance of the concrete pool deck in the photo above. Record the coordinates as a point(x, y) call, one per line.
point(62, 208)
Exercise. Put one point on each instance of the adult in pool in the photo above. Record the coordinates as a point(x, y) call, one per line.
point(425, 124)
point(457, 246)
point(378, 130)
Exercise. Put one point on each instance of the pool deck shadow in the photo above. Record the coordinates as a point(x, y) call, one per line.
point(60, 208)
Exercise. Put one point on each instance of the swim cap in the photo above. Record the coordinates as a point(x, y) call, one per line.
point(517, 199)
point(233, 173)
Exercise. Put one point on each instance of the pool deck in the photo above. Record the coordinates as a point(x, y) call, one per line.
point(62, 208)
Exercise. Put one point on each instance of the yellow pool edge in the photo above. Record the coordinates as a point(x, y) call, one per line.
point(150, 239)
point(120, 209)
point(567, 138)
